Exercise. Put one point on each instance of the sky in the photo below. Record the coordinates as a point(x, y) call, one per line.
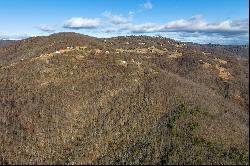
point(199, 21)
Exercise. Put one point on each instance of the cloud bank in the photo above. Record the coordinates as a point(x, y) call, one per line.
point(196, 29)
point(194, 24)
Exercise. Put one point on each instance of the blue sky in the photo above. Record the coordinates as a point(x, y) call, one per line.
point(202, 21)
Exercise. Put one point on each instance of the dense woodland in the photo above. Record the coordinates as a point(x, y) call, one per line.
point(123, 100)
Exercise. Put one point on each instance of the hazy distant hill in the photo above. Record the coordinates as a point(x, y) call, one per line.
point(122, 100)
point(6, 42)
point(241, 51)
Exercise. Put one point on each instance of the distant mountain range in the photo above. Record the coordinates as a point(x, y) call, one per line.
point(221, 50)
point(6, 42)
point(75, 99)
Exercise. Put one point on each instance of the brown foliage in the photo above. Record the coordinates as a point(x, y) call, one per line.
point(83, 107)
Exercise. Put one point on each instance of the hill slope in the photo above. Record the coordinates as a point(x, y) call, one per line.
point(119, 101)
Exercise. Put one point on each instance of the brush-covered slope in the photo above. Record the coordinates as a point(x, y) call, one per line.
point(152, 104)
point(36, 46)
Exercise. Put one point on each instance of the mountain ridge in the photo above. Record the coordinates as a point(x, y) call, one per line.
point(73, 99)
point(63, 39)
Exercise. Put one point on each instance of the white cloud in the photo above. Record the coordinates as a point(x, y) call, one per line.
point(193, 24)
point(116, 19)
point(15, 37)
point(143, 28)
point(196, 23)
point(81, 23)
point(147, 6)
point(46, 28)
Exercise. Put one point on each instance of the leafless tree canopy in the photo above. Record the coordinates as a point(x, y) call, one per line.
point(123, 100)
